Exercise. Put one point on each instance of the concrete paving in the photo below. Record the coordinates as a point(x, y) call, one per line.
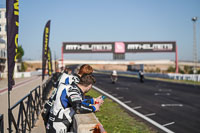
point(39, 126)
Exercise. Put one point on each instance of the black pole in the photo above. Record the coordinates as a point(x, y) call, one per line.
point(55, 60)
point(9, 118)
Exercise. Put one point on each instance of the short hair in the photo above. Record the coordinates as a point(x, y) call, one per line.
point(87, 79)
point(85, 69)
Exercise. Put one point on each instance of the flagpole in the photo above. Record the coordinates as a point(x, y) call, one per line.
point(62, 55)
point(55, 60)
point(12, 24)
point(9, 119)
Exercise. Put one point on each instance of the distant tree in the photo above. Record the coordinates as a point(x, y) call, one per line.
point(171, 69)
point(24, 66)
point(181, 70)
point(20, 53)
point(198, 71)
point(187, 69)
point(191, 71)
point(157, 70)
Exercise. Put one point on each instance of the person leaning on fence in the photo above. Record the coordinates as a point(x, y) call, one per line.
point(69, 101)
point(66, 78)
point(74, 78)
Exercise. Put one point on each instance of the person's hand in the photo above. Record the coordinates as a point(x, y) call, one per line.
point(99, 100)
point(97, 106)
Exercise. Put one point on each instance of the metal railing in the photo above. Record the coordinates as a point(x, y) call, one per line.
point(46, 87)
point(29, 108)
point(1, 123)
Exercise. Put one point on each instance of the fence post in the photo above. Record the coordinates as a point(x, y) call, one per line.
point(1, 124)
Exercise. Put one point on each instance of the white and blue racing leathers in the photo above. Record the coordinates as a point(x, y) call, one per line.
point(64, 79)
point(69, 79)
point(69, 100)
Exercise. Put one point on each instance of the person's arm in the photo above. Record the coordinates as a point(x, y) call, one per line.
point(89, 101)
point(78, 104)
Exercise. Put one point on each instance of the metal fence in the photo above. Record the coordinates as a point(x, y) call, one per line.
point(25, 112)
point(29, 107)
point(1, 124)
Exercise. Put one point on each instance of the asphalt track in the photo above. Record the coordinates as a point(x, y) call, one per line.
point(173, 105)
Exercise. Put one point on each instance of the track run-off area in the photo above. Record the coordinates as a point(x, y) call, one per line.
point(174, 106)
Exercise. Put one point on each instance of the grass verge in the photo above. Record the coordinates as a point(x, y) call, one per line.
point(115, 120)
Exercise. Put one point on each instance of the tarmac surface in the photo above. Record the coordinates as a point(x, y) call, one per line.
point(173, 105)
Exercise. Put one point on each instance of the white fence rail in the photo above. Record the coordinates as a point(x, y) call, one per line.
point(193, 77)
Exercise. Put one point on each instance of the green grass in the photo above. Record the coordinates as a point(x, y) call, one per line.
point(115, 120)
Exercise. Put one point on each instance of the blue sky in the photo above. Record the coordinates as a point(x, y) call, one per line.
point(108, 20)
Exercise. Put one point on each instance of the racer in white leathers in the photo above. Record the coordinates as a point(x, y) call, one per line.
point(64, 79)
point(114, 76)
point(70, 100)
point(141, 76)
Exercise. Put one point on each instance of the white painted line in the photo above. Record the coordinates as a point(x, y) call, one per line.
point(138, 107)
point(134, 111)
point(162, 94)
point(117, 88)
point(127, 102)
point(164, 90)
point(167, 124)
point(150, 114)
point(120, 97)
point(19, 84)
point(172, 105)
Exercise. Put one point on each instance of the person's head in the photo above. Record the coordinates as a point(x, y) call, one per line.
point(68, 70)
point(85, 69)
point(86, 82)
point(61, 69)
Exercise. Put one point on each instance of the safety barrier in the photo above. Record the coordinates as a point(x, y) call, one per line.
point(29, 109)
point(192, 77)
point(46, 87)
point(87, 123)
point(1, 123)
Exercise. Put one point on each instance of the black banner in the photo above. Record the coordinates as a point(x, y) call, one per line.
point(150, 46)
point(12, 13)
point(49, 62)
point(88, 47)
point(118, 47)
point(45, 47)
